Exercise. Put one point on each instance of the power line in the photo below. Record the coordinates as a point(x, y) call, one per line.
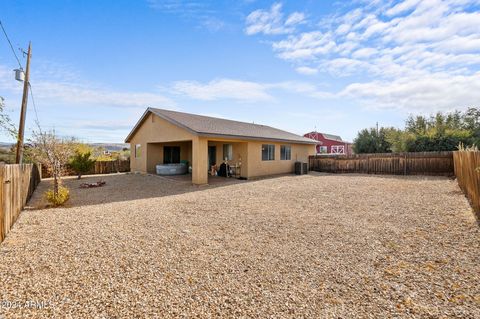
point(34, 105)
point(20, 65)
point(11, 46)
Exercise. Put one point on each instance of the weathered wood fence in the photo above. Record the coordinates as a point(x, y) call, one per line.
point(100, 167)
point(17, 183)
point(422, 163)
point(467, 171)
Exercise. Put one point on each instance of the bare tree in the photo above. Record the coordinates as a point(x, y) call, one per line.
point(52, 152)
point(5, 121)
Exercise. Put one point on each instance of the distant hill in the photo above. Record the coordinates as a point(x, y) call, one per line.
point(107, 146)
point(4, 144)
point(111, 146)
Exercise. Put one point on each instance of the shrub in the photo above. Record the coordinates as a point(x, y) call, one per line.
point(81, 163)
point(62, 196)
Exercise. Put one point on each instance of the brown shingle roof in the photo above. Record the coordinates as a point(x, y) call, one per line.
point(211, 126)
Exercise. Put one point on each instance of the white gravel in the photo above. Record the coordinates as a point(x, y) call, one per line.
point(294, 246)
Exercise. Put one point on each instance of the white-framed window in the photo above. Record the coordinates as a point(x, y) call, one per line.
point(227, 152)
point(268, 152)
point(338, 149)
point(323, 150)
point(138, 150)
point(285, 152)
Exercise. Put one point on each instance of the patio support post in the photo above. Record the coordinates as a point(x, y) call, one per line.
point(199, 160)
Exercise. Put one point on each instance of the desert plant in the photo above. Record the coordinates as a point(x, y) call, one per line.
point(81, 162)
point(59, 198)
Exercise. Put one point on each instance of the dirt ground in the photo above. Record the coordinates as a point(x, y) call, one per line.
point(312, 246)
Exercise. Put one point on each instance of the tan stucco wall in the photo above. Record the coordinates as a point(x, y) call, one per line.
point(154, 130)
point(257, 167)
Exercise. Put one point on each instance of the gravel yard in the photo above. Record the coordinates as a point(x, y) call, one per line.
point(293, 246)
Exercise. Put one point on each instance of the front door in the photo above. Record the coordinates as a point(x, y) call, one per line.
point(212, 156)
point(171, 154)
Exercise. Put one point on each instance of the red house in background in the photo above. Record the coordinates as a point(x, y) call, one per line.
point(330, 144)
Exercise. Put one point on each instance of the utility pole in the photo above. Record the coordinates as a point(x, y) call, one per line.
point(23, 112)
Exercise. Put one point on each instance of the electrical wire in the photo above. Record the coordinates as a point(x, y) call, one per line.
point(34, 105)
point(11, 46)
point(20, 65)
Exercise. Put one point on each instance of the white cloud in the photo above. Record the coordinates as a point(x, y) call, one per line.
point(242, 91)
point(295, 18)
point(71, 93)
point(76, 94)
point(305, 46)
point(306, 70)
point(397, 43)
point(223, 89)
point(402, 7)
point(364, 53)
point(439, 91)
point(272, 21)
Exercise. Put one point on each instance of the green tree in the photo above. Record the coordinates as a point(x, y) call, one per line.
point(416, 125)
point(454, 120)
point(471, 122)
point(372, 141)
point(81, 162)
point(399, 139)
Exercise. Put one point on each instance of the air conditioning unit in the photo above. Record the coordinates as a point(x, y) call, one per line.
point(305, 168)
point(301, 168)
point(298, 168)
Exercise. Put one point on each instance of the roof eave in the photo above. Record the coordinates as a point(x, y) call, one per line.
point(137, 125)
point(256, 138)
point(166, 118)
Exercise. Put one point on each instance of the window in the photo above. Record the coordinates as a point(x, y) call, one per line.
point(138, 150)
point(323, 150)
point(171, 154)
point(285, 152)
point(268, 152)
point(227, 152)
point(338, 149)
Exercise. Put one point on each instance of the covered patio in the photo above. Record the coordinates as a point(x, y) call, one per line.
point(201, 155)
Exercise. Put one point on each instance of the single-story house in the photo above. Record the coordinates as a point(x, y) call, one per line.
point(164, 136)
point(330, 144)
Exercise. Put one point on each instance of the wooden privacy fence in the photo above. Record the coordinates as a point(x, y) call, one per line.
point(100, 167)
point(467, 170)
point(422, 163)
point(17, 183)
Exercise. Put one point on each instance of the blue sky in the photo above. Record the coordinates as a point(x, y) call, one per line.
point(296, 65)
